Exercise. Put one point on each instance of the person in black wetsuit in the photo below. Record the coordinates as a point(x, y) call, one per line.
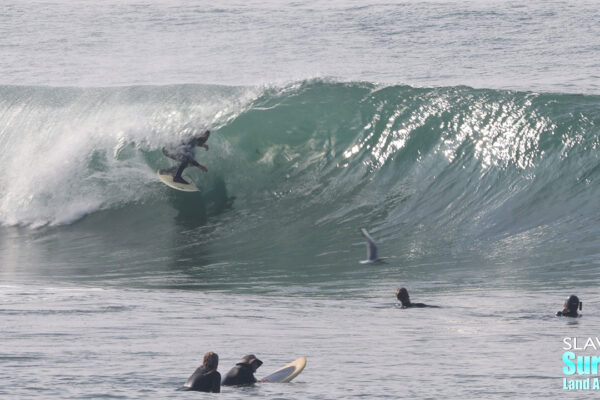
point(402, 296)
point(570, 307)
point(206, 378)
point(184, 153)
point(243, 372)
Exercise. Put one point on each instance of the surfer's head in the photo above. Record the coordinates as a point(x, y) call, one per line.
point(200, 139)
point(251, 360)
point(402, 296)
point(572, 304)
point(210, 361)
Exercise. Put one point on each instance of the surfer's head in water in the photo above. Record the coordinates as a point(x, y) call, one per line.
point(210, 362)
point(572, 304)
point(404, 298)
point(252, 361)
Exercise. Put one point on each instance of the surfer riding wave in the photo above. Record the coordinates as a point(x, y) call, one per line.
point(184, 152)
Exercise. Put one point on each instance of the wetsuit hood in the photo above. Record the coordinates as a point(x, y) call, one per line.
point(201, 139)
point(573, 304)
point(250, 359)
point(402, 296)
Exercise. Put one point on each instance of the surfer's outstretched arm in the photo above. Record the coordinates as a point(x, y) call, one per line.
point(197, 164)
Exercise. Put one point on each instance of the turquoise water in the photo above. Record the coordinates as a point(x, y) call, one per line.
point(469, 153)
point(446, 174)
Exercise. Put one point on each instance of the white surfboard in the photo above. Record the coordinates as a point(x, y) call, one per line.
point(166, 177)
point(287, 372)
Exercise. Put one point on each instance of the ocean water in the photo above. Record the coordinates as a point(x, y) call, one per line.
point(464, 136)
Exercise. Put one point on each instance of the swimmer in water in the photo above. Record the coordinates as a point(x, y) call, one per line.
point(570, 307)
point(243, 372)
point(402, 296)
point(206, 378)
point(184, 153)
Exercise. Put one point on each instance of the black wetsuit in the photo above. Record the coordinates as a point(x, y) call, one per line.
point(567, 314)
point(241, 374)
point(418, 305)
point(184, 153)
point(570, 308)
point(204, 381)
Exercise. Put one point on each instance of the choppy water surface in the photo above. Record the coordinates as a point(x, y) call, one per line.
point(535, 45)
point(65, 342)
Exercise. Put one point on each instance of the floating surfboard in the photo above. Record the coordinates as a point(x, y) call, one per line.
point(287, 372)
point(166, 176)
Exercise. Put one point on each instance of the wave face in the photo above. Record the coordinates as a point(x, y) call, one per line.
point(430, 171)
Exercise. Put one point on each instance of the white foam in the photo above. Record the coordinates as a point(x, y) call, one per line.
point(66, 153)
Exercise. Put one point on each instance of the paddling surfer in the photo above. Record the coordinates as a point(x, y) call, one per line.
point(402, 296)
